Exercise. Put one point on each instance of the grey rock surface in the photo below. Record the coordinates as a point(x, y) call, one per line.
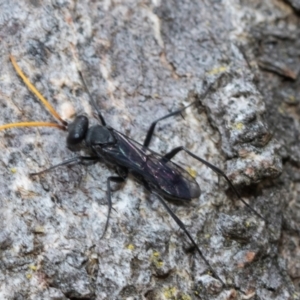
point(142, 60)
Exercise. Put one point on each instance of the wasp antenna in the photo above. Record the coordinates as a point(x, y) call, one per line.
point(32, 88)
point(92, 99)
point(32, 124)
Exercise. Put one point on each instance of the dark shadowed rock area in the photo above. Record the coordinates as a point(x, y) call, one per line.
point(239, 61)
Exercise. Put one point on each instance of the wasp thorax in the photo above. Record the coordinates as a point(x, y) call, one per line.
point(99, 135)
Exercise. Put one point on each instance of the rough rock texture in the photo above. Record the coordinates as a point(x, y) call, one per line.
point(275, 47)
point(142, 60)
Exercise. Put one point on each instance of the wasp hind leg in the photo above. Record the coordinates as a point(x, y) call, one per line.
point(182, 226)
point(215, 169)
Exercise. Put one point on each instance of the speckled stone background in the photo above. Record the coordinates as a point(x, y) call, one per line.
point(142, 60)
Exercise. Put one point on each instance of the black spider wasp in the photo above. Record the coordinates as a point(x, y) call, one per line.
point(157, 173)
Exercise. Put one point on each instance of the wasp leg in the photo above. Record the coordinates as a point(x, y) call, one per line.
point(175, 113)
point(77, 160)
point(152, 127)
point(182, 226)
point(110, 179)
point(218, 171)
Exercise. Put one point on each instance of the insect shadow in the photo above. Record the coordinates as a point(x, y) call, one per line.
point(158, 174)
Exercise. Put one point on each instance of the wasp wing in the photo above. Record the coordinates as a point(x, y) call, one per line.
point(161, 174)
point(171, 179)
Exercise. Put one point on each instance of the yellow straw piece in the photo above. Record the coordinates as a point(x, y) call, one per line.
point(36, 93)
point(32, 124)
